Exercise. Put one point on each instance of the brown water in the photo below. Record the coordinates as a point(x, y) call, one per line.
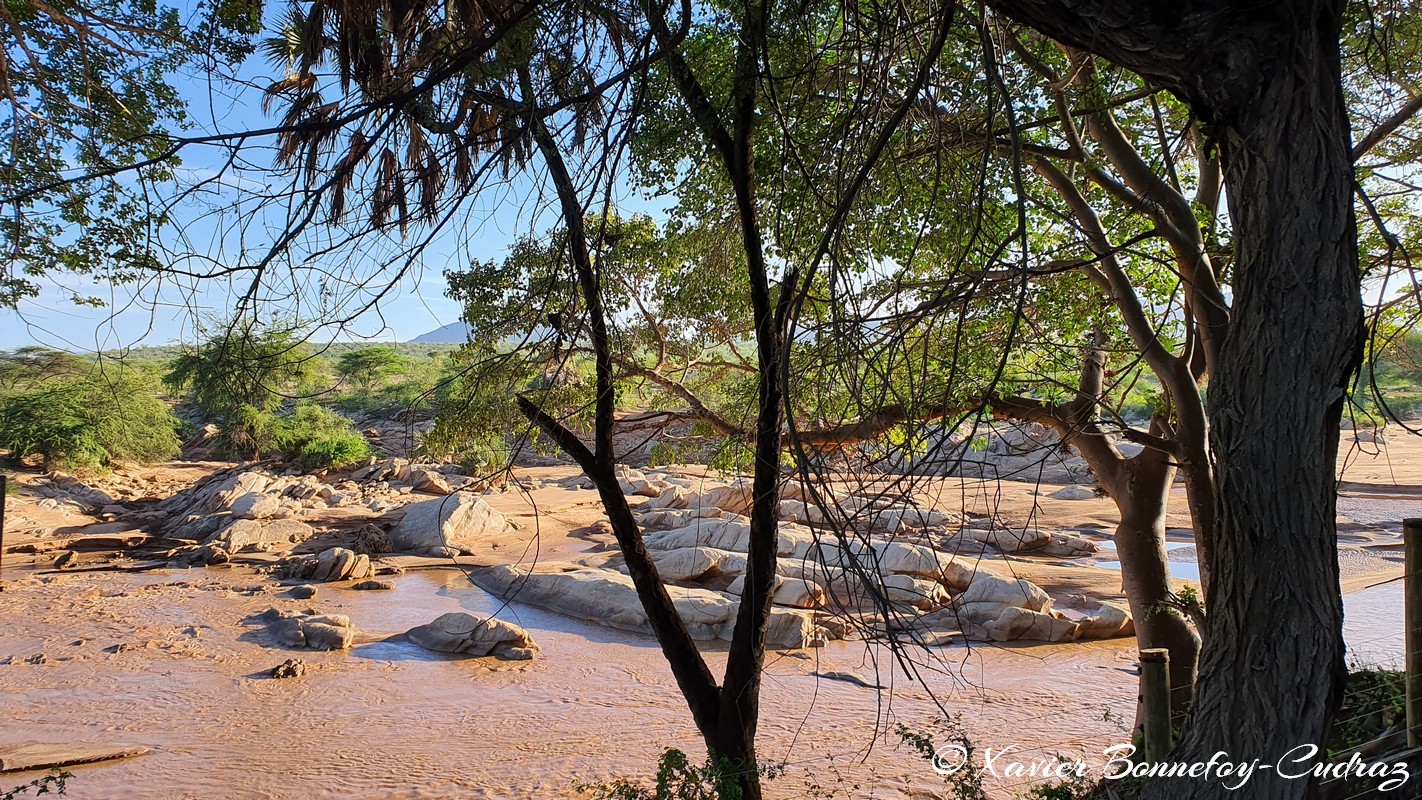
point(388, 719)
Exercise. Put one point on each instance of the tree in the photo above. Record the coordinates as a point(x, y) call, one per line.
point(241, 375)
point(368, 365)
point(85, 89)
point(1267, 87)
point(77, 415)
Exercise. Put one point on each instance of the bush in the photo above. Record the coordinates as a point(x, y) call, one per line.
point(334, 451)
point(247, 432)
point(319, 437)
point(56, 781)
point(88, 422)
point(679, 779)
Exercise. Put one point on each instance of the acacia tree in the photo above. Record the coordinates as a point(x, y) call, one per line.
point(368, 365)
point(541, 83)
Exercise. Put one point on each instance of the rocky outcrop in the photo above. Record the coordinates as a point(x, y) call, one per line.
point(474, 635)
point(446, 526)
point(308, 630)
point(244, 534)
point(335, 564)
point(730, 533)
point(609, 598)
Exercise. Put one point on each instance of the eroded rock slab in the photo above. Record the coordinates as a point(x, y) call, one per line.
point(309, 631)
point(447, 525)
point(474, 635)
point(335, 564)
point(609, 598)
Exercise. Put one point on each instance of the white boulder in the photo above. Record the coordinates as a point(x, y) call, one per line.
point(454, 523)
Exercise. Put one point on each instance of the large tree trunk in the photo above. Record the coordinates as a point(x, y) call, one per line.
point(1272, 665)
point(1265, 82)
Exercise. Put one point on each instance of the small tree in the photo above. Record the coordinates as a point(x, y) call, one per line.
point(368, 365)
point(241, 376)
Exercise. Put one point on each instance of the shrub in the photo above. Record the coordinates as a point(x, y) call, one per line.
point(334, 451)
point(319, 437)
point(247, 432)
point(679, 779)
point(89, 422)
point(56, 781)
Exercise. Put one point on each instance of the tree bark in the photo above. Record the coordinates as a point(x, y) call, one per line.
point(1140, 487)
point(1273, 662)
point(1265, 82)
point(1145, 571)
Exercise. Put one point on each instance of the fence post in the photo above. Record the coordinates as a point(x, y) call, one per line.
point(1155, 703)
point(1412, 619)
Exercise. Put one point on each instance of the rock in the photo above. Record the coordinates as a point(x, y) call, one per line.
point(1002, 609)
point(1106, 622)
point(210, 554)
point(437, 526)
point(1369, 436)
point(1073, 493)
point(735, 498)
point(335, 564)
point(685, 563)
point(374, 585)
point(921, 594)
point(636, 483)
point(245, 533)
point(793, 592)
point(324, 636)
point(903, 558)
point(426, 480)
point(671, 497)
point(1007, 540)
point(458, 632)
point(1022, 623)
point(311, 631)
point(840, 585)
point(1006, 592)
point(729, 533)
point(254, 505)
point(891, 520)
point(1068, 546)
point(609, 598)
point(234, 486)
point(849, 677)
point(290, 668)
point(666, 518)
point(303, 592)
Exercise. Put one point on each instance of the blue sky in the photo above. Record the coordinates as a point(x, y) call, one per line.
point(174, 310)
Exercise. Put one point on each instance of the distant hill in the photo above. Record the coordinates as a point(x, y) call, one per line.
point(453, 333)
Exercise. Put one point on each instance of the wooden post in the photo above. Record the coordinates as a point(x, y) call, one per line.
point(1155, 703)
point(1412, 619)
